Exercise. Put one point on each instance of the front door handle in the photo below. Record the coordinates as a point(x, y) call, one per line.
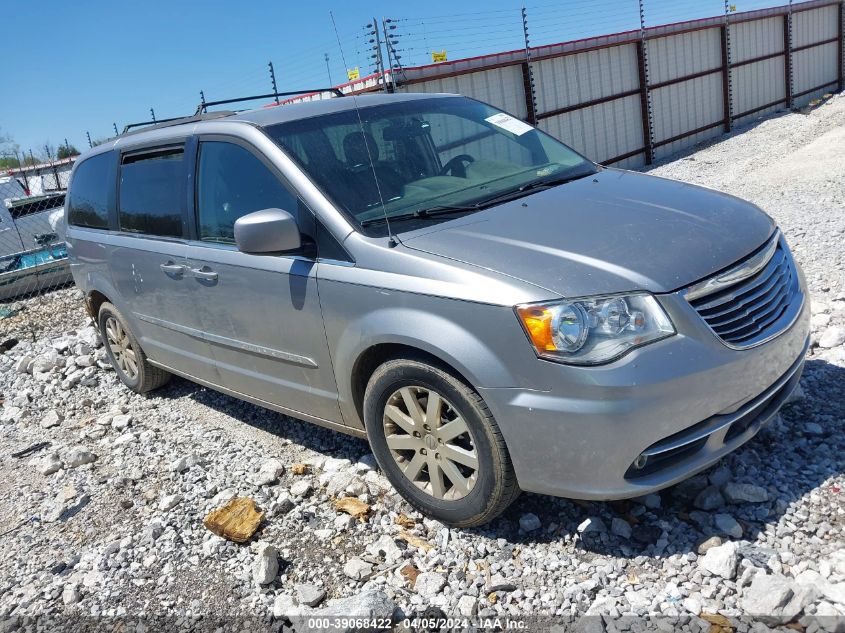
point(174, 270)
point(204, 273)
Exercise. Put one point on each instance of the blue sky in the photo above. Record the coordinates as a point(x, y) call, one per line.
point(77, 66)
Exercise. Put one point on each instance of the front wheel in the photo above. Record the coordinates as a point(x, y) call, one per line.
point(125, 354)
point(438, 444)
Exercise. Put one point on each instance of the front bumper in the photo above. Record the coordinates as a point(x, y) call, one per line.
point(684, 402)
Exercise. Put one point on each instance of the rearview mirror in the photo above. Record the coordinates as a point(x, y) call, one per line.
point(267, 231)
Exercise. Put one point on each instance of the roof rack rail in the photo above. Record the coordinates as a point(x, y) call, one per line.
point(179, 120)
point(202, 107)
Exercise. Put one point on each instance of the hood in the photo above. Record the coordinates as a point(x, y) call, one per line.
point(612, 232)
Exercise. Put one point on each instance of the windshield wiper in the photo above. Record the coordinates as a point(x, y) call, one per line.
point(429, 212)
point(540, 183)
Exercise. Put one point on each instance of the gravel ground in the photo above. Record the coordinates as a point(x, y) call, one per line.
point(107, 520)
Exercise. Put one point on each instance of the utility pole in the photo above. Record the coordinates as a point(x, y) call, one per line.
point(87, 134)
point(376, 42)
point(153, 114)
point(202, 102)
point(273, 82)
point(116, 133)
point(328, 68)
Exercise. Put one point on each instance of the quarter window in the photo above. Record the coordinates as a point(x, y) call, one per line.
point(231, 183)
point(89, 192)
point(152, 193)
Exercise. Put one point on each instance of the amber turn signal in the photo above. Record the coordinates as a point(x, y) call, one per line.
point(537, 321)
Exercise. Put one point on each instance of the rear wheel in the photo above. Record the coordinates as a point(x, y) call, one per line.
point(438, 444)
point(125, 354)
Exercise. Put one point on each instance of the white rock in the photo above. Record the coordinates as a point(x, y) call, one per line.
point(767, 596)
point(51, 464)
point(832, 337)
point(89, 336)
point(22, 365)
point(44, 363)
point(385, 546)
point(333, 464)
point(79, 456)
point(269, 472)
point(121, 422)
point(180, 465)
point(266, 564)
point(224, 496)
point(467, 606)
point(429, 584)
point(693, 605)
point(51, 418)
point(285, 607)
point(338, 483)
point(71, 593)
point(300, 488)
point(310, 595)
point(9, 415)
point(529, 522)
point(126, 438)
point(169, 502)
point(357, 569)
point(721, 560)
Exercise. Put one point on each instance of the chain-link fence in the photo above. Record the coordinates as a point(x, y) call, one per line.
point(33, 254)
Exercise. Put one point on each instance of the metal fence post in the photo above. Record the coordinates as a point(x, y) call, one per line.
point(727, 81)
point(645, 94)
point(841, 69)
point(787, 51)
point(528, 74)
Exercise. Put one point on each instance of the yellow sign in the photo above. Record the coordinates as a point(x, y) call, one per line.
point(438, 56)
point(733, 8)
point(353, 73)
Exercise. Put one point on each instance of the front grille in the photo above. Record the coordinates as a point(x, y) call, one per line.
point(754, 301)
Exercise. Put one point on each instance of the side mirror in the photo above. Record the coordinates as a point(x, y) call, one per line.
point(267, 231)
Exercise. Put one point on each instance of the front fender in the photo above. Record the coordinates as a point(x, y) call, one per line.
point(484, 343)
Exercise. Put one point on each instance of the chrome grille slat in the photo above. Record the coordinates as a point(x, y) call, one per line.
point(780, 302)
point(731, 294)
point(771, 289)
point(755, 307)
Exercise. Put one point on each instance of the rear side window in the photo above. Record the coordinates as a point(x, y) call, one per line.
point(233, 182)
point(89, 192)
point(152, 193)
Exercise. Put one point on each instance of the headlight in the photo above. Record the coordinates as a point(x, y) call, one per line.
point(594, 330)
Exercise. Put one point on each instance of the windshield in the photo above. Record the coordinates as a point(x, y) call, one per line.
point(424, 160)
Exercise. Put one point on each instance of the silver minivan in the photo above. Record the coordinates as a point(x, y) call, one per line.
point(491, 310)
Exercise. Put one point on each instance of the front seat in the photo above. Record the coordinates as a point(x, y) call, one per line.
point(359, 161)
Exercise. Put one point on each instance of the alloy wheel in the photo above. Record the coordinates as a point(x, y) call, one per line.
point(121, 348)
point(431, 442)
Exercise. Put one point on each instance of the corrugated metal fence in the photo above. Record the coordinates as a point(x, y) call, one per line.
point(634, 97)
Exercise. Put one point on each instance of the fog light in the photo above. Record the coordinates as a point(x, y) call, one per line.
point(640, 462)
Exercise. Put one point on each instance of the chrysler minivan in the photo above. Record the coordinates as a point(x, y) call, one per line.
point(491, 310)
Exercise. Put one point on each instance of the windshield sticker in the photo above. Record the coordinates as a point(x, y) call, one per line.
point(509, 123)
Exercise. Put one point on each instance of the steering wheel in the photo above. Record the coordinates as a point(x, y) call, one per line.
point(456, 166)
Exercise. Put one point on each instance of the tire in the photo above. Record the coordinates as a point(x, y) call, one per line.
point(481, 493)
point(113, 328)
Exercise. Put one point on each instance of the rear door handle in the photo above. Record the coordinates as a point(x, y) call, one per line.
point(204, 273)
point(174, 270)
